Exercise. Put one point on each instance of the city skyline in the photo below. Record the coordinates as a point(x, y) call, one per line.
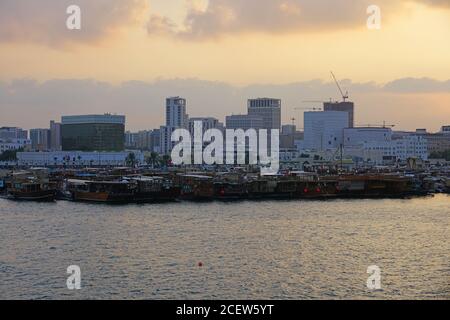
point(151, 104)
point(219, 53)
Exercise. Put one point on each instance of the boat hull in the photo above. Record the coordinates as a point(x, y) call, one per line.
point(40, 196)
point(102, 197)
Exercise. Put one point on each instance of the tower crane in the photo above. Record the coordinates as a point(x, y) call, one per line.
point(384, 125)
point(344, 96)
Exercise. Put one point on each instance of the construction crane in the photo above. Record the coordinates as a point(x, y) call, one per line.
point(310, 109)
point(344, 96)
point(384, 125)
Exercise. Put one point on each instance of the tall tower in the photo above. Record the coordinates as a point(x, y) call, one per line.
point(176, 112)
point(176, 118)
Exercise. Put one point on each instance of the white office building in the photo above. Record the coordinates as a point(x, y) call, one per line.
point(377, 152)
point(14, 144)
point(359, 136)
point(324, 130)
point(77, 158)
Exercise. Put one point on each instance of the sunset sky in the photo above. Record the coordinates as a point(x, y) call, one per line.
point(130, 54)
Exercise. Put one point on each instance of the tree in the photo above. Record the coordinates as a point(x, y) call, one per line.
point(153, 159)
point(166, 160)
point(131, 160)
point(10, 155)
point(441, 155)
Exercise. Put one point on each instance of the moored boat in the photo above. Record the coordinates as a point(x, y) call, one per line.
point(196, 187)
point(154, 189)
point(101, 191)
point(32, 185)
point(30, 191)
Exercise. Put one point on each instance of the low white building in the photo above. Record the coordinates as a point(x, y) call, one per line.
point(411, 147)
point(77, 158)
point(359, 136)
point(288, 155)
point(397, 149)
point(14, 144)
point(445, 129)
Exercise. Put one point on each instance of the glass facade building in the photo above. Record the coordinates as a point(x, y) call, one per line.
point(93, 133)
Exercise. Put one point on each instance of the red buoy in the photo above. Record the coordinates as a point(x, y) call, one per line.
point(305, 190)
point(200, 264)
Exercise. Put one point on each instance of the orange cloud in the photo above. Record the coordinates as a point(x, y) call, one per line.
point(274, 16)
point(44, 21)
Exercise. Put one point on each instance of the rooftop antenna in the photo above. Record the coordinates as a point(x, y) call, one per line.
point(344, 96)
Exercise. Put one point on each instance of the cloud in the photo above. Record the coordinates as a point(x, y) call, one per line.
point(29, 103)
point(417, 85)
point(439, 3)
point(44, 21)
point(275, 16)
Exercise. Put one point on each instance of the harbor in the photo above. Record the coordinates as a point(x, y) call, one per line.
point(139, 185)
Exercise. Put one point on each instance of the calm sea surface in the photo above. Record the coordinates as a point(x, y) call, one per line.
point(249, 250)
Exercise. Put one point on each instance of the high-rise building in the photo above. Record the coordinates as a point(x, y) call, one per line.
point(144, 140)
point(40, 139)
point(176, 118)
point(324, 130)
point(130, 139)
point(344, 106)
point(445, 129)
point(93, 133)
point(268, 109)
point(55, 136)
point(156, 140)
point(176, 115)
point(13, 133)
point(166, 143)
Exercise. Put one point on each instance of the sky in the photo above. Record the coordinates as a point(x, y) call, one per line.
point(130, 54)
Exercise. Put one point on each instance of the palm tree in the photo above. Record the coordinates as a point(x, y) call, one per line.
point(131, 159)
point(153, 159)
point(166, 160)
